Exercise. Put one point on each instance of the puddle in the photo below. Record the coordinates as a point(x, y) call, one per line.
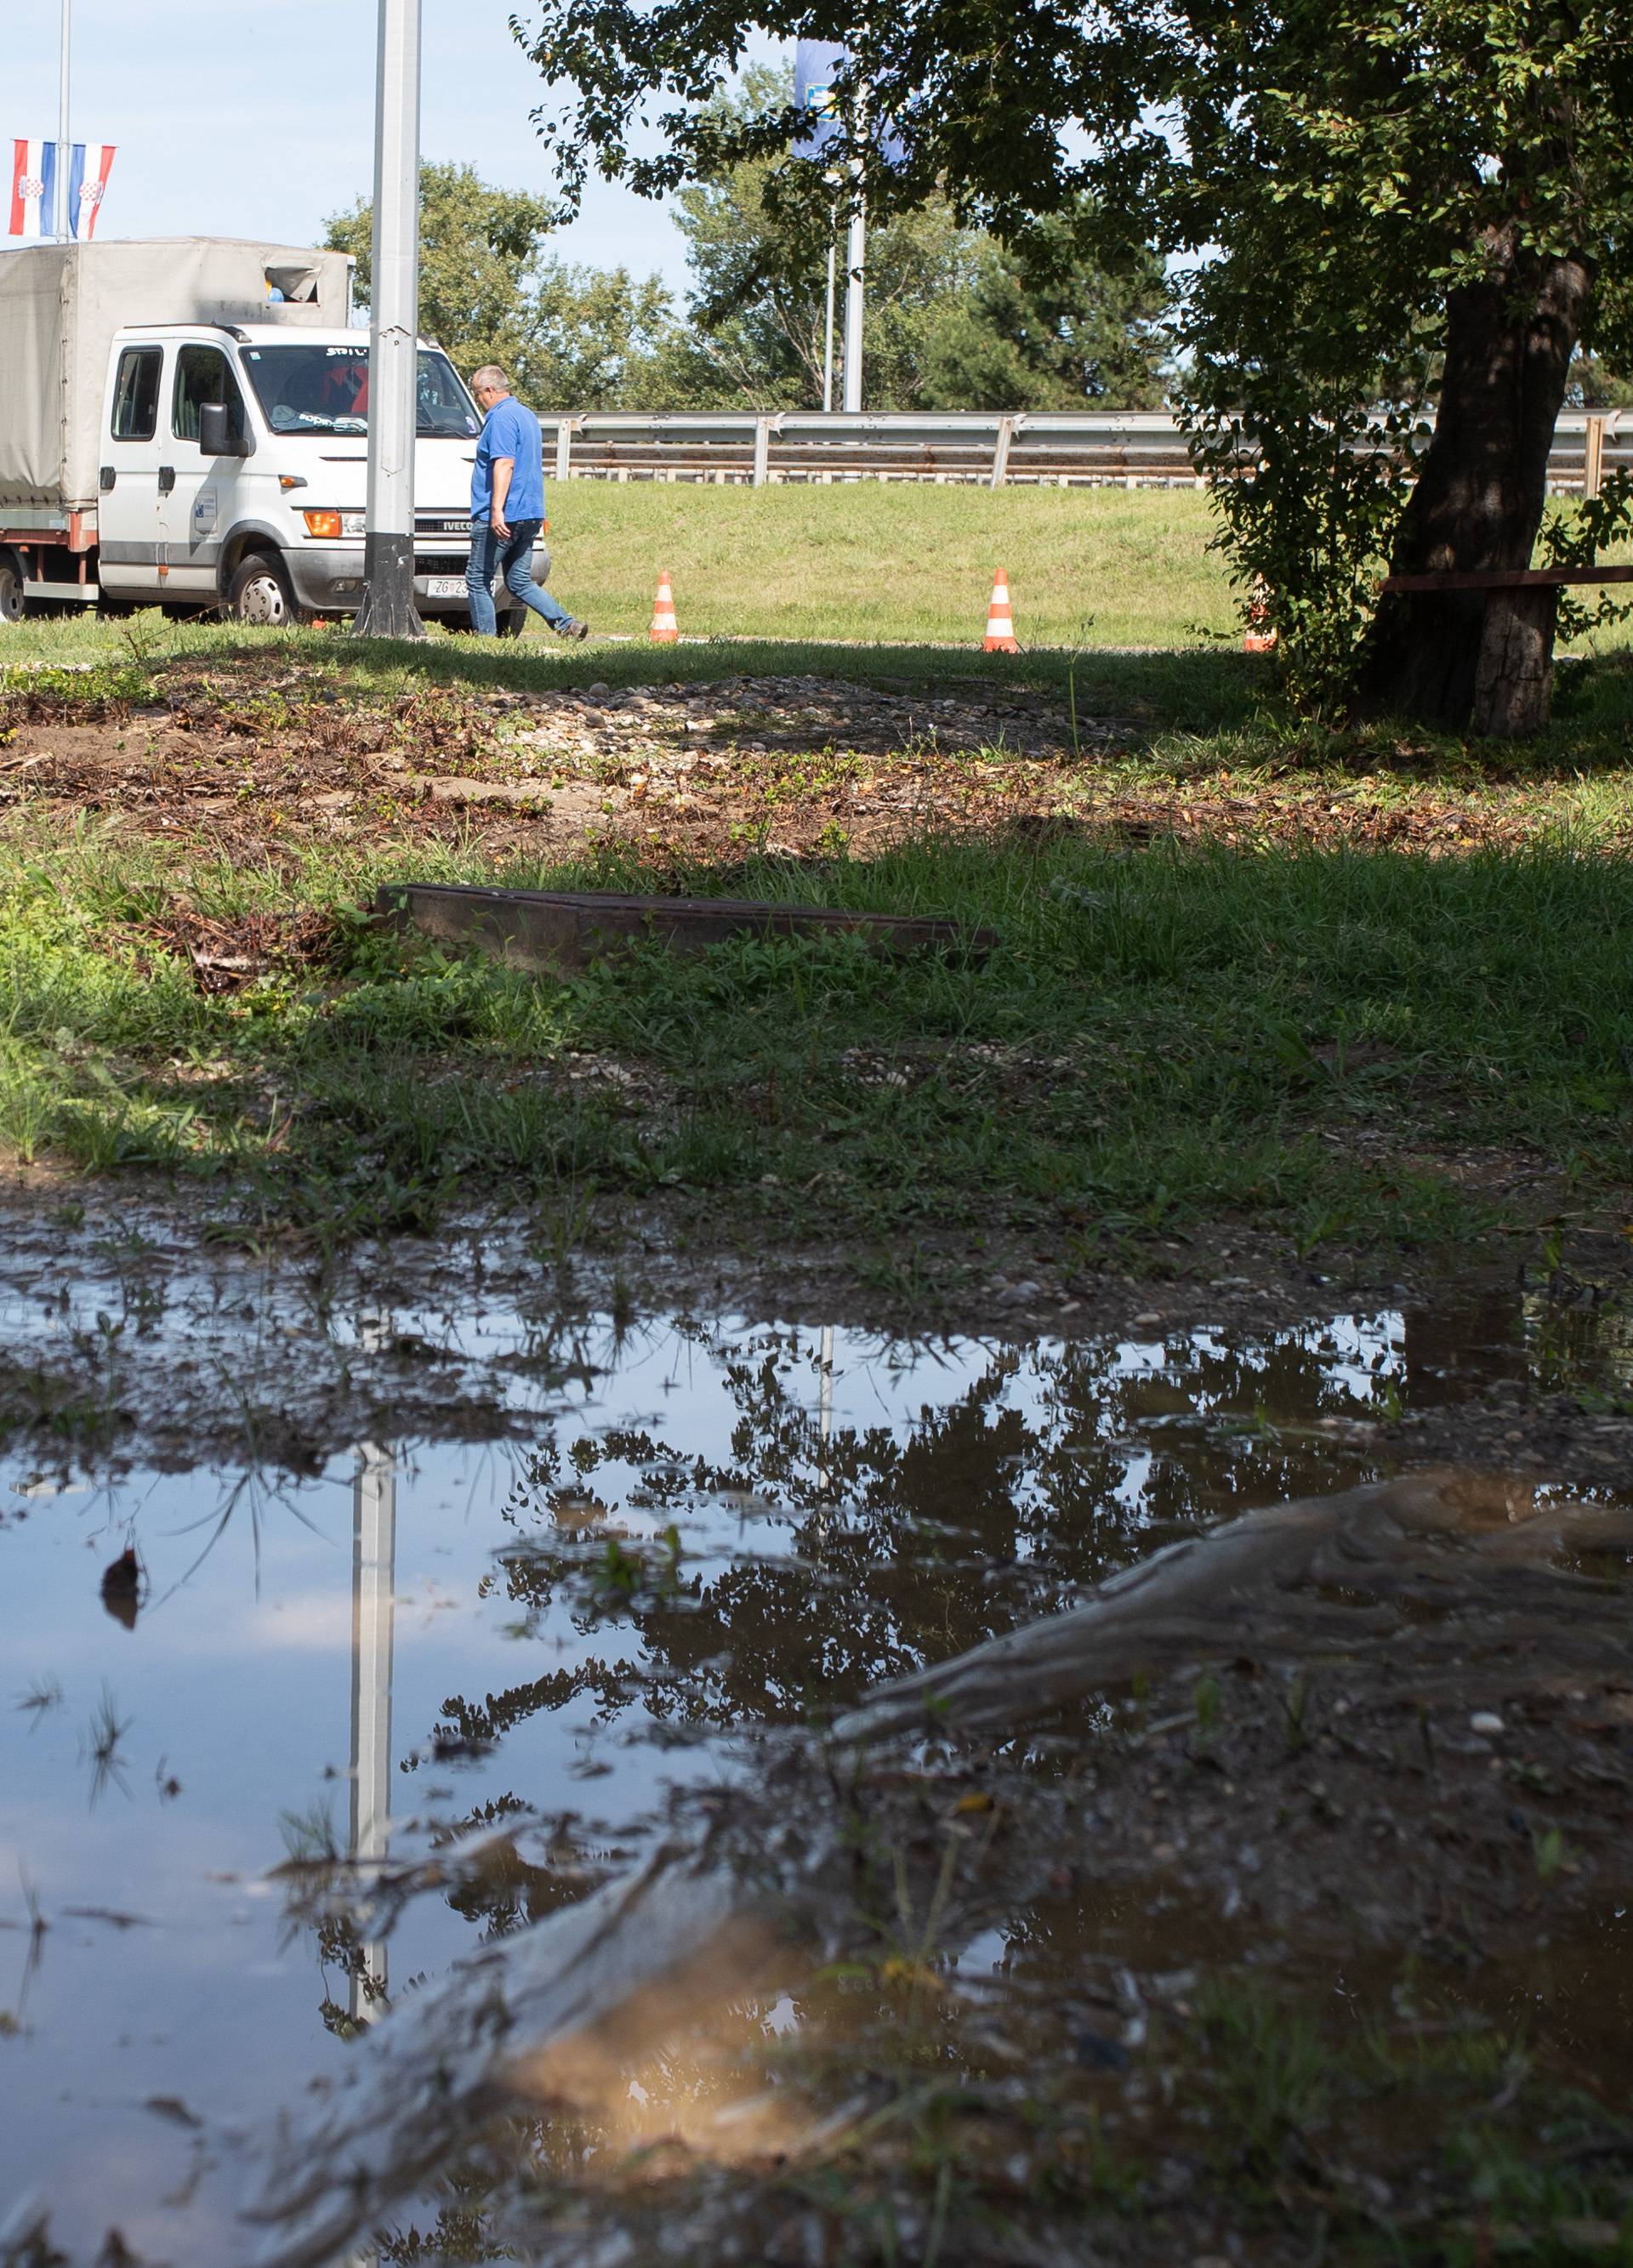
point(701, 1535)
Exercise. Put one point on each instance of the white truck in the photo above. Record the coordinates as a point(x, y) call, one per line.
point(184, 423)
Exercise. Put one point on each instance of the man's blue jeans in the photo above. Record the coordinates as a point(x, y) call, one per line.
point(513, 559)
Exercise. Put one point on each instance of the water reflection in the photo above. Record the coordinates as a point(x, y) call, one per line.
point(711, 1531)
point(373, 1579)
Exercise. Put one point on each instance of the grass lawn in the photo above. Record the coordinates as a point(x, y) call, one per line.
point(1353, 989)
point(898, 562)
point(1086, 566)
point(894, 563)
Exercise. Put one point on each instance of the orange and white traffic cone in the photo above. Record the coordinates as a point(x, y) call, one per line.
point(665, 628)
point(999, 623)
point(1259, 637)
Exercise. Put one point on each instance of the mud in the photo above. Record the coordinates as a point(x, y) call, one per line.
point(1300, 1948)
point(244, 758)
point(114, 1303)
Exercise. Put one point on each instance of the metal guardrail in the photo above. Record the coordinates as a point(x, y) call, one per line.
point(1132, 449)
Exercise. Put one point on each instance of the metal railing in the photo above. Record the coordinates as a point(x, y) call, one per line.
point(1134, 449)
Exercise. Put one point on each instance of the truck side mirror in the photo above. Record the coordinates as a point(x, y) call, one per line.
point(216, 437)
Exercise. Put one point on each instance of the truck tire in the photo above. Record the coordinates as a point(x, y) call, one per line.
point(260, 592)
point(12, 603)
point(513, 621)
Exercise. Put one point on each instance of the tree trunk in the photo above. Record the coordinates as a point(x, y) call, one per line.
point(1457, 658)
point(1514, 677)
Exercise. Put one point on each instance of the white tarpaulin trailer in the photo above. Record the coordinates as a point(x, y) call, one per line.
point(60, 305)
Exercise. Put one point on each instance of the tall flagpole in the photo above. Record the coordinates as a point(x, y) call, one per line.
point(388, 609)
point(64, 143)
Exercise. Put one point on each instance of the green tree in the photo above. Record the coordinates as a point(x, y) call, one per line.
point(1419, 203)
point(1042, 324)
point(478, 246)
point(955, 319)
point(570, 337)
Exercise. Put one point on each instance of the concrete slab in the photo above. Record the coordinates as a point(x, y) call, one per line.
point(556, 932)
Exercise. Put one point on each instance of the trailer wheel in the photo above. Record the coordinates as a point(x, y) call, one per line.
point(11, 599)
point(260, 592)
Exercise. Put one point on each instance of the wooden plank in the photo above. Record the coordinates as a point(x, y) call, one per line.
point(1509, 578)
point(559, 932)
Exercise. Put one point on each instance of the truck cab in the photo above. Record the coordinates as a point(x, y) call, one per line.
point(234, 472)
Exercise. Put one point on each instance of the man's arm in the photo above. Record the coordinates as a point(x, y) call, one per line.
point(503, 468)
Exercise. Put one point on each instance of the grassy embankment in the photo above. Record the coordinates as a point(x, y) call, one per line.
point(1098, 566)
point(1295, 1027)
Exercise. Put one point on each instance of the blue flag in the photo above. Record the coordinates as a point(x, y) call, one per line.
point(816, 64)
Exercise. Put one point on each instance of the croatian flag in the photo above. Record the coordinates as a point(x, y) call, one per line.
point(87, 185)
point(34, 187)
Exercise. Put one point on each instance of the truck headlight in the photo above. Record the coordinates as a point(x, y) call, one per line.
point(335, 523)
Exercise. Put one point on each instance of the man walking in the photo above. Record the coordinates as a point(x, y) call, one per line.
point(507, 509)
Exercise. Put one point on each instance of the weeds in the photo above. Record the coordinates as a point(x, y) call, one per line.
point(1273, 2073)
point(43, 1697)
point(1551, 1852)
point(103, 1739)
point(309, 1836)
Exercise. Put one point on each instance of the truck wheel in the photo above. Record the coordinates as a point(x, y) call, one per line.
point(513, 621)
point(11, 599)
point(260, 592)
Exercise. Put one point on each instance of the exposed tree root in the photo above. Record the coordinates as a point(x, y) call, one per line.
point(1432, 1539)
point(1434, 1567)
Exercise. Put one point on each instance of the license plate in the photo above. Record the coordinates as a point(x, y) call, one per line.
point(445, 587)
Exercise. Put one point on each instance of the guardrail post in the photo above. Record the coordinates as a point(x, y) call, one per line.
point(1593, 457)
point(1001, 451)
point(762, 450)
point(564, 447)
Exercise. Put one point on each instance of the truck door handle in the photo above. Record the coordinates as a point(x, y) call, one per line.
point(166, 479)
point(106, 478)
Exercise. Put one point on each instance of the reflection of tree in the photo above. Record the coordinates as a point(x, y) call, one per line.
point(897, 1543)
point(478, 1725)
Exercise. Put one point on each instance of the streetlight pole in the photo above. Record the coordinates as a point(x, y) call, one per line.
point(856, 262)
point(827, 350)
point(64, 143)
point(388, 609)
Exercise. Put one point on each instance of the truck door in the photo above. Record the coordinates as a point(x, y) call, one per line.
point(198, 506)
point(128, 504)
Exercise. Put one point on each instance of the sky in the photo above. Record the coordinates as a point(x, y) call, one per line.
point(259, 121)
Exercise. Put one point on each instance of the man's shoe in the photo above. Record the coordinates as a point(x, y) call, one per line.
point(573, 628)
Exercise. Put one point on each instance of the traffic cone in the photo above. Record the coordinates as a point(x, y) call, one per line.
point(1000, 625)
point(1259, 637)
point(665, 628)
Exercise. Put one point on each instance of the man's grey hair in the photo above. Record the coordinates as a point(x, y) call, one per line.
point(491, 374)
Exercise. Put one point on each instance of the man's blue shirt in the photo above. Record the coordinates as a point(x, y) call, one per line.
point(511, 431)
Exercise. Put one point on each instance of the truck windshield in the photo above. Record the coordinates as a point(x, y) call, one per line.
point(317, 389)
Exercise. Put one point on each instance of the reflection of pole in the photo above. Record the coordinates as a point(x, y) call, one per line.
point(824, 1421)
point(827, 350)
point(374, 1575)
point(64, 129)
point(388, 609)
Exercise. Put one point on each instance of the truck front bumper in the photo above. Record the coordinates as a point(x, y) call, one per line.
point(329, 579)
